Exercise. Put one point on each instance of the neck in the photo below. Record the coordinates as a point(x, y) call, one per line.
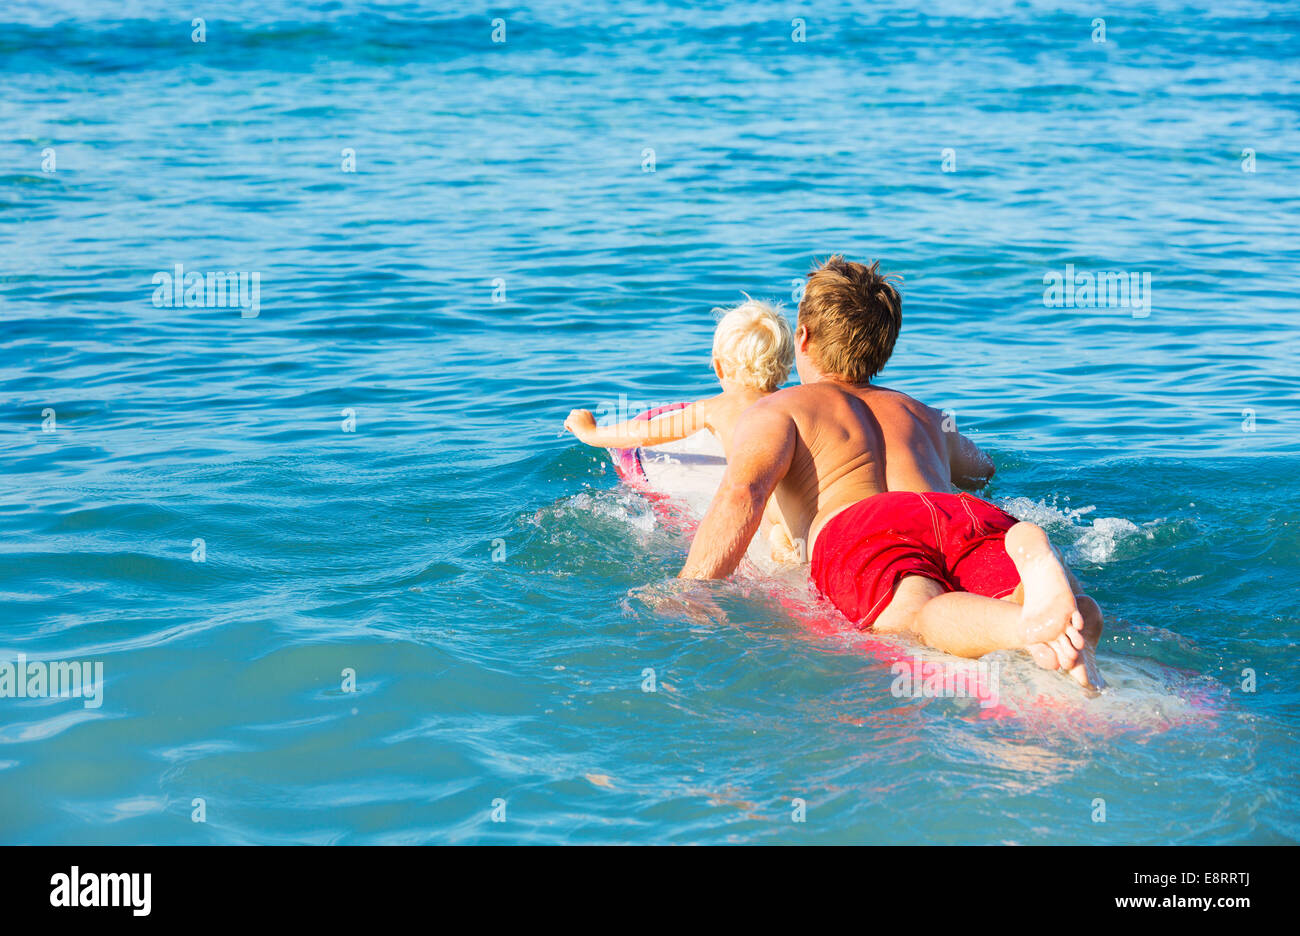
point(837, 379)
point(810, 373)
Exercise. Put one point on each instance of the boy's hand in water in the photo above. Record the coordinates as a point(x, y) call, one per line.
point(785, 549)
point(581, 423)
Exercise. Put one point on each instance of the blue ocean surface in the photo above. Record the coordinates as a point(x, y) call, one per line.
point(348, 581)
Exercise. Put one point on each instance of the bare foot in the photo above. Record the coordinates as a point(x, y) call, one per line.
point(1075, 645)
point(1043, 655)
point(1085, 672)
point(1049, 610)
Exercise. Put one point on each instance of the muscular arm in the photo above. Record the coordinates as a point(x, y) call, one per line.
point(761, 451)
point(971, 468)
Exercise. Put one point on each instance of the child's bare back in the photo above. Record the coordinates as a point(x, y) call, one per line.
point(753, 350)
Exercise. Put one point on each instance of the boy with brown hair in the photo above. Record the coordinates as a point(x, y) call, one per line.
point(864, 475)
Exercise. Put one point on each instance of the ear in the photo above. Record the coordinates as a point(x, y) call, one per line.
point(801, 338)
point(717, 368)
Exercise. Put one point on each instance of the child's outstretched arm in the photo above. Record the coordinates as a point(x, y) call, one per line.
point(668, 427)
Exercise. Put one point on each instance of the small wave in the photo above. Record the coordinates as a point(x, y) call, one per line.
point(1091, 541)
point(617, 505)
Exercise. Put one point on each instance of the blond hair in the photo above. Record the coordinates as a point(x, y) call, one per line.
point(754, 345)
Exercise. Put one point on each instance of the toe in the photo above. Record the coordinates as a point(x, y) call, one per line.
point(1065, 652)
point(1044, 656)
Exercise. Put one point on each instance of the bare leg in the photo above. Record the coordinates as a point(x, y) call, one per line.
point(911, 595)
point(973, 625)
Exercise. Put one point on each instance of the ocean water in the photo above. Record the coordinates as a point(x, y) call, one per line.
point(371, 468)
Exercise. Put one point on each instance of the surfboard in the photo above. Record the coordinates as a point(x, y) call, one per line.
point(679, 479)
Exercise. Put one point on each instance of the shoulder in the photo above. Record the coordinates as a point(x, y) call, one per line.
point(914, 406)
point(707, 404)
point(772, 413)
point(797, 398)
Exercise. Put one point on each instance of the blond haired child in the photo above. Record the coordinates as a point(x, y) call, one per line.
point(753, 350)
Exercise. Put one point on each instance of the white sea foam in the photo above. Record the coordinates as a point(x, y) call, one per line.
point(1140, 695)
point(617, 505)
point(1093, 541)
point(1100, 541)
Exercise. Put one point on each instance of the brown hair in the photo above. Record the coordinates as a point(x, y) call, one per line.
point(852, 313)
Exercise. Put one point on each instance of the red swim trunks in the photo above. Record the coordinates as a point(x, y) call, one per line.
point(955, 539)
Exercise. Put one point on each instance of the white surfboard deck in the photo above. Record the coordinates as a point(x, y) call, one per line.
point(689, 471)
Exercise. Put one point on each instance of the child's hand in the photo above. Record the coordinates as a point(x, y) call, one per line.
point(580, 423)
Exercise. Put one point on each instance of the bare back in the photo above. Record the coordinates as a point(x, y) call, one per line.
point(855, 442)
point(720, 413)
